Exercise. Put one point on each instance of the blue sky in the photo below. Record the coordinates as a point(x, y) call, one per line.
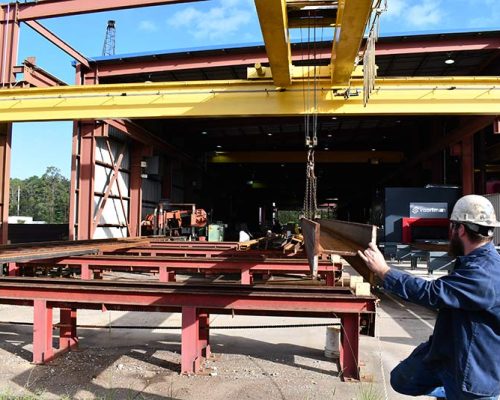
point(179, 26)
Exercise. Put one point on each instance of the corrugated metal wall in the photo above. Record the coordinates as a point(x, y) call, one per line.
point(495, 200)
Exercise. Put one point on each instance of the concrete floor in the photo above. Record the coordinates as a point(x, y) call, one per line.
point(285, 363)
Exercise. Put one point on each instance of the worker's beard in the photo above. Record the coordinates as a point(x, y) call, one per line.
point(455, 247)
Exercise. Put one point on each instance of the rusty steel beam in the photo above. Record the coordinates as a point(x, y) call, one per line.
point(345, 239)
point(61, 8)
point(53, 38)
point(311, 233)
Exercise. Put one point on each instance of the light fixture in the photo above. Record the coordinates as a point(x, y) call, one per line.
point(334, 117)
point(269, 134)
point(374, 149)
point(330, 135)
point(326, 148)
point(204, 132)
point(449, 61)
point(219, 146)
point(282, 165)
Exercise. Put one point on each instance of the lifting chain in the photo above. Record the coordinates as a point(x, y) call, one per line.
point(310, 201)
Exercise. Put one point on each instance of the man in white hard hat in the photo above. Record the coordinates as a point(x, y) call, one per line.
point(461, 360)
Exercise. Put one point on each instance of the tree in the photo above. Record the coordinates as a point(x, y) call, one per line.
point(45, 198)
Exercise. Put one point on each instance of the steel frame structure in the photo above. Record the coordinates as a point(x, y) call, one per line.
point(195, 302)
point(91, 266)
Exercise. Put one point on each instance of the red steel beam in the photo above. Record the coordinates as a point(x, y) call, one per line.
point(53, 38)
point(195, 302)
point(210, 297)
point(36, 76)
point(196, 263)
point(142, 135)
point(60, 8)
point(252, 56)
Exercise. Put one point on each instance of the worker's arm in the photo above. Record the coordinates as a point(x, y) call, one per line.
point(467, 288)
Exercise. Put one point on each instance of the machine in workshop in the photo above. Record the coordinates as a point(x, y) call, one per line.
point(168, 219)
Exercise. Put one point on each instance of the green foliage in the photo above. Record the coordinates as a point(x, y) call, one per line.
point(44, 198)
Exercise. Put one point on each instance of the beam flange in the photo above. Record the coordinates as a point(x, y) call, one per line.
point(274, 25)
point(352, 19)
point(409, 96)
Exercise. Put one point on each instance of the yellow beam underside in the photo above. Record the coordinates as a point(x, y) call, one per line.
point(272, 157)
point(352, 19)
point(405, 96)
point(274, 25)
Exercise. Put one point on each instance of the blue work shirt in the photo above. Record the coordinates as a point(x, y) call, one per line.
point(466, 337)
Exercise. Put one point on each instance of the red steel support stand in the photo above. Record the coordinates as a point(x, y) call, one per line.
point(330, 278)
point(349, 347)
point(13, 269)
point(86, 272)
point(42, 332)
point(190, 354)
point(166, 275)
point(204, 336)
point(246, 278)
point(68, 338)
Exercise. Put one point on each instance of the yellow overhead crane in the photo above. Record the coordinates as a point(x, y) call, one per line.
point(274, 91)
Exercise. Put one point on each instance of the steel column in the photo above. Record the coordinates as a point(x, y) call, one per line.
point(190, 356)
point(468, 165)
point(42, 332)
point(349, 347)
point(5, 151)
point(204, 335)
point(138, 152)
point(68, 338)
point(84, 160)
point(9, 39)
point(246, 278)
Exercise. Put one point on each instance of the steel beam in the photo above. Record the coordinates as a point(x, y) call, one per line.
point(403, 96)
point(251, 55)
point(143, 136)
point(274, 25)
point(36, 76)
point(300, 157)
point(61, 8)
point(53, 38)
point(352, 19)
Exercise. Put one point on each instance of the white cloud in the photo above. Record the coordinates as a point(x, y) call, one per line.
point(415, 14)
point(147, 26)
point(394, 8)
point(427, 13)
point(216, 22)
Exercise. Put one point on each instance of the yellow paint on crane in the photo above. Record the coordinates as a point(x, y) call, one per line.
point(352, 20)
point(273, 21)
point(401, 96)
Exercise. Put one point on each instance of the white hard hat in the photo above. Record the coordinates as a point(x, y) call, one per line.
point(474, 209)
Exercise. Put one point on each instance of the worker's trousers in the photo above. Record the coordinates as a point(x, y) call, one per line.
point(414, 378)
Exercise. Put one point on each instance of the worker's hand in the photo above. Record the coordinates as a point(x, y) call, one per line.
point(374, 259)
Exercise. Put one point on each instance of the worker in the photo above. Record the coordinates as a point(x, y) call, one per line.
point(461, 359)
